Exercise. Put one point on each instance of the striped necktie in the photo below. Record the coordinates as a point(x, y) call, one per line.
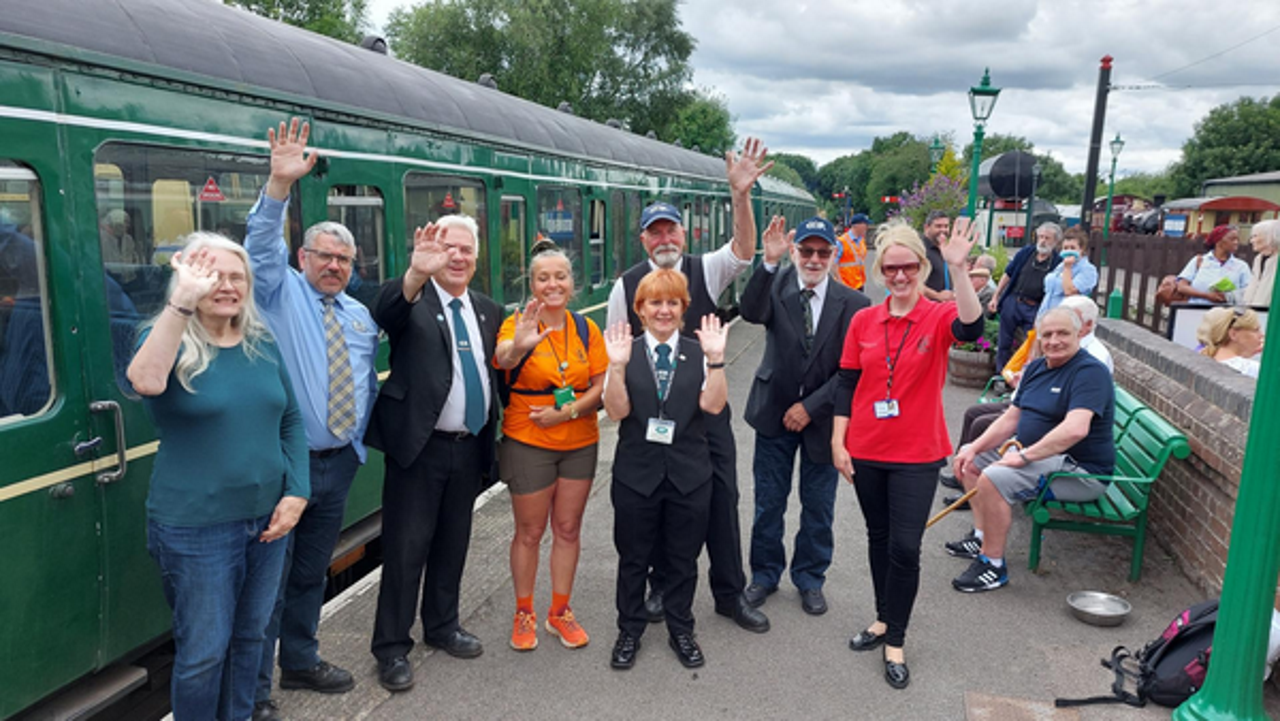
point(806, 296)
point(342, 391)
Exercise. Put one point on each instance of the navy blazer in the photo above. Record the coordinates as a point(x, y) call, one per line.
point(410, 401)
point(787, 374)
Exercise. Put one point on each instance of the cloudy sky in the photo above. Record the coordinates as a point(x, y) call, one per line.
point(825, 77)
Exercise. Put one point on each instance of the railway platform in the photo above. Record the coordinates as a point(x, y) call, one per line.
point(1000, 655)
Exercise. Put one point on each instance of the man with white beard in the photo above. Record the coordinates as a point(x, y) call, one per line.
point(1021, 289)
point(663, 236)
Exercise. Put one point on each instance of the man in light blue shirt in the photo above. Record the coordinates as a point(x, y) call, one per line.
point(335, 388)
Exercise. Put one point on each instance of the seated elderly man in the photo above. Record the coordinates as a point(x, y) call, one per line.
point(1061, 421)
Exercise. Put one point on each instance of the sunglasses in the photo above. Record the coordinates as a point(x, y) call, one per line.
point(908, 269)
point(1236, 314)
point(807, 252)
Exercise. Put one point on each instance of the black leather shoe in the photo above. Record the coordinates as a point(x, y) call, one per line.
point(458, 644)
point(744, 615)
point(948, 480)
point(323, 677)
point(266, 711)
point(948, 500)
point(653, 607)
point(395, 675)
point(866, 641)
point(687, 649)
point(813, 602)
point(896, 674)
point(624, 651)
point(755, 594)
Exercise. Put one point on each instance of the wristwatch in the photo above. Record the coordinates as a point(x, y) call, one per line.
point(573, 412)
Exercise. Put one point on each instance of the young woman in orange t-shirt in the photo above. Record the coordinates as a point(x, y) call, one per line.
point(547, 456)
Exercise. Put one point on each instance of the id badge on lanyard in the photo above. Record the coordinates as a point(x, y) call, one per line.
point(888, 408)
point(662, 430)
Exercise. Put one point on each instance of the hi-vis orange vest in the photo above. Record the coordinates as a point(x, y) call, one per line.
point(853, 252)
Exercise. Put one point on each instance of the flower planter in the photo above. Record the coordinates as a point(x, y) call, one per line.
point(971, 368)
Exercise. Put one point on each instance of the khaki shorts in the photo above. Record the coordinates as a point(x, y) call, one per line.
point(529, 469)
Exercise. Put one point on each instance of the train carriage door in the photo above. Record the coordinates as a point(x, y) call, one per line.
point(360, 209)
point(50, 627)
point(513, 226)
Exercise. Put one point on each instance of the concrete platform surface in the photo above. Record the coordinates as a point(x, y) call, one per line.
point(1005, 654)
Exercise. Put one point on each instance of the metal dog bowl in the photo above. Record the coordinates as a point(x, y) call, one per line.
point(1099, 609)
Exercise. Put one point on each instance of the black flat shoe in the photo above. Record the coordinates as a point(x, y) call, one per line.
point(458, 644)
point(755, 594)
point(948, 500)
point(813, 602)
point(653, 608)
point(744, 615)
point(866, 641)
point(323, 677)
point(396, 674)
point(949, 481)
point(896, 674)
point(624, 651)
point(687, 650)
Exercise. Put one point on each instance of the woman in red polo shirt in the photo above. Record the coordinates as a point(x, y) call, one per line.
point(890, 436)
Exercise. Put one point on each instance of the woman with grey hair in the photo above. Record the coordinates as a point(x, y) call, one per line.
point(1265, 239)
point(229, 479)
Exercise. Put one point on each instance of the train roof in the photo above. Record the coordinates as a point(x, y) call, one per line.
point(228, 44)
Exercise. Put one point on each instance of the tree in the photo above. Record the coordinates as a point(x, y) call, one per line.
point(344, 20)
point(1235, 138)
point(786, 173)
point(894, 173)
point(705, 122)
point(803, 165)
point(623, 59)
point(847, 171)
point(1147, 185)
point(995, 144)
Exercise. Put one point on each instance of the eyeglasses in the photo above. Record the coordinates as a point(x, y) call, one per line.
point(807, 252)
point(343, 261)
point(908, 269)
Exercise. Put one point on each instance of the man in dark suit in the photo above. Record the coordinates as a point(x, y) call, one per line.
point(434, 419)
point(791, 402)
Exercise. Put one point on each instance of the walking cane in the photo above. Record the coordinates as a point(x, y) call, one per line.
point(969, 494)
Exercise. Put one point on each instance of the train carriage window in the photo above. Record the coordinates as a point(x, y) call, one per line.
point(512, 246)
point(359, 208)
point(597, 243)
point(427, 198)
point(560, 219)
point(630, 235)
point(148, 200)
point(26, 371)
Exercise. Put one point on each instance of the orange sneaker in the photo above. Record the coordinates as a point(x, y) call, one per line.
point(566, 628)
point(524, 631)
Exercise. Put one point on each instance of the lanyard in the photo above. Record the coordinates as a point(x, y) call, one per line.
point(561, 365)
point(671, 377)
point(892, 361)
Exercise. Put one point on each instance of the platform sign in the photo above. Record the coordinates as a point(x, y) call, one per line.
point(558, 225)
point(1175, 226)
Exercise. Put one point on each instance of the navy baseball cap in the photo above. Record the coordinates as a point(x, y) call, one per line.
point(816, 227)
point(659, 211)
point(859, 218)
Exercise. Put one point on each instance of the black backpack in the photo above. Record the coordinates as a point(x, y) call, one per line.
point(507, 381)
point(1169, 669)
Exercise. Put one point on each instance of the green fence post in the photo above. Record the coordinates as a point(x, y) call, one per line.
point(1233, 689)
point(1115, 304)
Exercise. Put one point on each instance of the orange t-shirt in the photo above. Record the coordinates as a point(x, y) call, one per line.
point(543, 371)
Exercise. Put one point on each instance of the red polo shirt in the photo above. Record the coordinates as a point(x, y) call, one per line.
point(919, 433)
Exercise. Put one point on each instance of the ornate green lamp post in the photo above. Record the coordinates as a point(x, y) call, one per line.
point(1116, 146)
point(936, 151)
point(982, 100)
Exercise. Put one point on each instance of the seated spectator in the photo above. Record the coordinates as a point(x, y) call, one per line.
point(980, 277)
point(1265, 240)
point(1232, 336)
point(1217, 276)
point(1061, 419)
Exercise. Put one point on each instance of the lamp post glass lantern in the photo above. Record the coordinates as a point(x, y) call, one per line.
point(982, 100)
point(1116, 146)
point(936, 151)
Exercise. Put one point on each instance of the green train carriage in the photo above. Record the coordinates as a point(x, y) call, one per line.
point(125, 124)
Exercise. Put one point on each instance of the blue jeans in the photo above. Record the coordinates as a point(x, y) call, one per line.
point(1015, 316)
point(815, 542)
point(301, 593)
point(220, 581)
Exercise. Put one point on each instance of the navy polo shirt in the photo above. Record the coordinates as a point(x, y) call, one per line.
point(1046, 395)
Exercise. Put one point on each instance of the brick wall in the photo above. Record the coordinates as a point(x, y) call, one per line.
point(1193, 502)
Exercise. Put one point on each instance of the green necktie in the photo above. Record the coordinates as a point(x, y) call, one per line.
point(474, 418)
point(342, 391)
point(806, 295)
point(663, 366)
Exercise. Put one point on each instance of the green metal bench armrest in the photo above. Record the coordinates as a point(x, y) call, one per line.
point(1040, 500)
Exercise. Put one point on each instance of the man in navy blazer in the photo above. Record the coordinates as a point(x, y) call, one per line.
point(790, 407)
point(434, 419)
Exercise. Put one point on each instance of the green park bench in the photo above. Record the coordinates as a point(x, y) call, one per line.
point(1144, 443)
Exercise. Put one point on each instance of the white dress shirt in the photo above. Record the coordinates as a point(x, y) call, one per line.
point(453, 415)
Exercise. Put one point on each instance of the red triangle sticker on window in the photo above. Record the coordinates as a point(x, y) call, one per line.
point(448, 203)
point(210, 193)
point(559, 205)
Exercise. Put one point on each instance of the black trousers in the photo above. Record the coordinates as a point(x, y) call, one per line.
point(426, 524)
point(672, 521)
point(895, 500)
point(724, 533)
point(978, 417)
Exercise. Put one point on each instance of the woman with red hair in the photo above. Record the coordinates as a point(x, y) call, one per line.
point(1218, 276)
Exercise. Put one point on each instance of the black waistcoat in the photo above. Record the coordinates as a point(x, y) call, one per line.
point(641, 465)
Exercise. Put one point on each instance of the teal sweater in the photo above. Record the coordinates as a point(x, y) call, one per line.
point(232, 449)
